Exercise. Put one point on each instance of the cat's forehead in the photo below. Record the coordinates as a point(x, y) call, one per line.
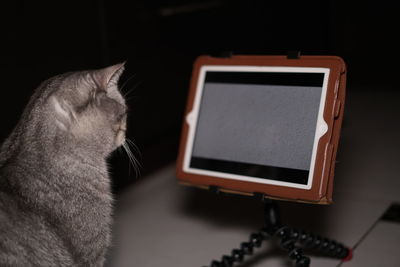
point(83, 84)
point(78, 81)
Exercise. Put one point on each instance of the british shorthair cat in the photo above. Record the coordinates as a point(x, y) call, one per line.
point(55, 197)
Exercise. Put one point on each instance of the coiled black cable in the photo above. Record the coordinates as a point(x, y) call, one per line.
point(288, 237)
point(255, 241)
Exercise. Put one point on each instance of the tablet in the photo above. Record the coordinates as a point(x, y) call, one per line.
point(264, 124)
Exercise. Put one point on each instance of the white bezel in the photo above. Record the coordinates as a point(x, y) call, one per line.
point(192, 116)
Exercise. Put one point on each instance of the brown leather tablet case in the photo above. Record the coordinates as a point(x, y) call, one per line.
point(322, 183)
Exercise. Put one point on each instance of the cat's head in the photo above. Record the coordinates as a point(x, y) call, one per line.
point(85, 108)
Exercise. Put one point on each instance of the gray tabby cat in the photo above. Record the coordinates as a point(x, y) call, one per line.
point(55, 199)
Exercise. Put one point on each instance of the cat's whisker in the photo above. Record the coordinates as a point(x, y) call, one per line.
point(138, 165)
point(137, 162)
point(137, 152)
point(126, 82)
point(127, 151)
point(134, 162)
point(134, 146)
point(129, 98)
point(126, 94)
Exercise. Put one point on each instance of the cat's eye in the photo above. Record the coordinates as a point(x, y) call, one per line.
point(122, 117)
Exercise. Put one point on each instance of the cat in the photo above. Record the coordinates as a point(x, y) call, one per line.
point(55, 197)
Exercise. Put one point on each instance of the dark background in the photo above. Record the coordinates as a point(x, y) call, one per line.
point(161, 39)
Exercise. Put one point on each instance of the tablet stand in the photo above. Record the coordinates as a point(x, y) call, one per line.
point(288, 238)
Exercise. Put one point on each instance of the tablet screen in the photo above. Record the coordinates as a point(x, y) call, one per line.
point(258, 124)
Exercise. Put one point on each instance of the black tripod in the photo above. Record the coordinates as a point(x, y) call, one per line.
point(289, 237)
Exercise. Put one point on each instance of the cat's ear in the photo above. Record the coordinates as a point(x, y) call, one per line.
point(64, 113)
point(107, 78)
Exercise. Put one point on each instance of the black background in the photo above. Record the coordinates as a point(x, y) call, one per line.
point(161, 39)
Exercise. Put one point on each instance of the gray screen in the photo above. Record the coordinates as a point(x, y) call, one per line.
point(263, 124)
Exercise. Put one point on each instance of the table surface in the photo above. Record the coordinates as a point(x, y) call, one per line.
point(161, 223)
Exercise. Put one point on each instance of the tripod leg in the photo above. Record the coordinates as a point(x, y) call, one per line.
point(326, 246)
point(289, 244)
point(274, 227)
point(288, 238)
point(246, 248)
